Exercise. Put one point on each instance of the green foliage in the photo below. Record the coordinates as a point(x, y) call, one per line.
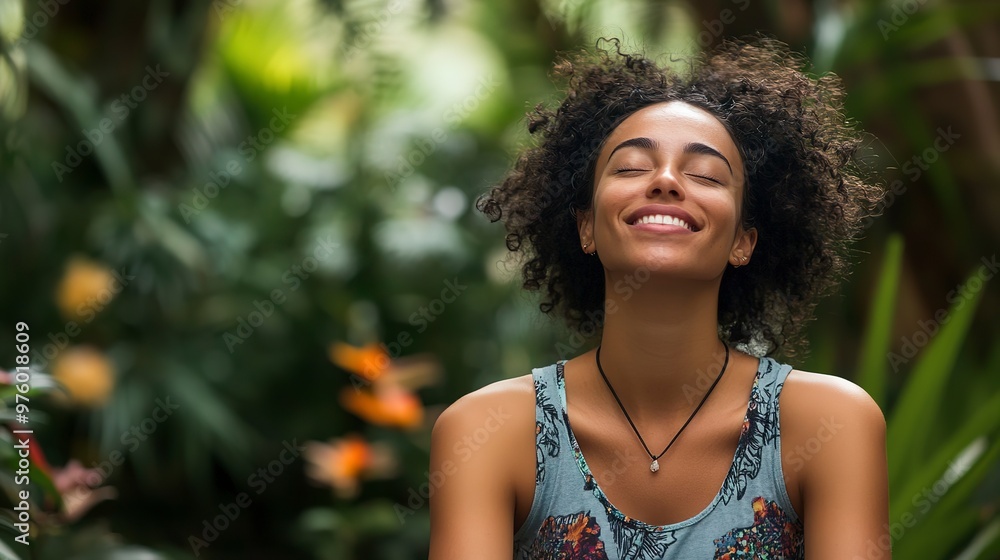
point(304, 174)
point(930, 486)
point(871, 374)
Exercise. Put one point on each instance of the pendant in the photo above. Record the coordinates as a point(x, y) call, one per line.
point(654, 466)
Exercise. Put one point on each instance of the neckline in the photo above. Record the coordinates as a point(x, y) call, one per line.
point(590, 480)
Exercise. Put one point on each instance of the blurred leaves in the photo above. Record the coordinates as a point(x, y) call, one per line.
point(301, 183)
point(871, 369)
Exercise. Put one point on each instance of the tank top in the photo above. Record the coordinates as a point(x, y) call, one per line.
point(570, 517)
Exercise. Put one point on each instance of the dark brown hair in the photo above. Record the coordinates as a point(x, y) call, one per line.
point(804, 191)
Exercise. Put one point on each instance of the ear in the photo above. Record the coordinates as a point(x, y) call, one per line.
point(585, 227)
point(746, 240)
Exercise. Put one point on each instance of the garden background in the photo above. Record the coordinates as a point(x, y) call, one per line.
point(239, 241)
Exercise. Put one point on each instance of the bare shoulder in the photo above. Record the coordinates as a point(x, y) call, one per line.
point(835, 459)
point(807, 398)
point(829, 426)
point(477, 445)
point(490, 430)
point(509, 401)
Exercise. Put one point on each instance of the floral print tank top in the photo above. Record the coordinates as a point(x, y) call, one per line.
point(570, 517)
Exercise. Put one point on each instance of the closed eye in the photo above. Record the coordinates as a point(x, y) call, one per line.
point(627, 170)
point(707, 178)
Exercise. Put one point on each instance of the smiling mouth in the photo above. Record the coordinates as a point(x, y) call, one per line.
point(663, 220)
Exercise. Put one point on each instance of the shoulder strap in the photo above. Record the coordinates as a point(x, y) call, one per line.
point(548, 432)
point(772, 378)
point(551, 447)
point(771, 383)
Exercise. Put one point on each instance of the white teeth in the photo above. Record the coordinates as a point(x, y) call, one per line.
point(663, 219)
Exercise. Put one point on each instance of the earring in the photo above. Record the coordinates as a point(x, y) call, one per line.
point(585, 245)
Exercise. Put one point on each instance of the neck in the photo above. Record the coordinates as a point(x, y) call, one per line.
point(660, 347)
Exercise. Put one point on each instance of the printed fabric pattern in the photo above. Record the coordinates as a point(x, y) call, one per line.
point(571, 518)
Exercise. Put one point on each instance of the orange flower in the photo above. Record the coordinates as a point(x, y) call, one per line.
point(86, 287)
point(342, 463)
point(86, 373)
point(385, 397)
point(369, 361)
point(389, 405)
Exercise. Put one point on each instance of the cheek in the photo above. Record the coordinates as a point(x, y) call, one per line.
point(723, 208)
point(608, 203)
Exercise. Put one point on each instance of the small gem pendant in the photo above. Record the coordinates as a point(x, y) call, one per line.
point(654, 466)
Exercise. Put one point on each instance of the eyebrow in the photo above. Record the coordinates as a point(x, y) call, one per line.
point(640, 142)
point(699, 148)
point(689, 148)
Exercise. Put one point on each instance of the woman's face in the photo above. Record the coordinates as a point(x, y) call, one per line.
point(669, 185)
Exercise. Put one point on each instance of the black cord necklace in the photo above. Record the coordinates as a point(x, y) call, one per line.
point(655, 465)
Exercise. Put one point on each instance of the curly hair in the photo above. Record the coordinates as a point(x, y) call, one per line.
point(804, 191)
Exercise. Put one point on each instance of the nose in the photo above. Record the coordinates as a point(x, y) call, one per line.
point(665, 182)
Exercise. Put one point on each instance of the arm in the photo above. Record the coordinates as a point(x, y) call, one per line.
point(476, 444)
point(845, 490)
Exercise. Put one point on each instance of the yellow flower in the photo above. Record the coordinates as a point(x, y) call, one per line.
point(86, 287)
point(343, 462)
point(86, 373)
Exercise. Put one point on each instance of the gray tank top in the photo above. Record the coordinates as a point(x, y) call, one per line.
point(570, 517)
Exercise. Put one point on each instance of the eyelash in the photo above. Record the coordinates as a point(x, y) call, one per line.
point(626, 170)
point(706, 177)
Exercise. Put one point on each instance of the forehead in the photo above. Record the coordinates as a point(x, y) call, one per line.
point(674, 123)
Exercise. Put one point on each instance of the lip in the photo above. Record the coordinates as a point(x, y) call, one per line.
point(665, 210)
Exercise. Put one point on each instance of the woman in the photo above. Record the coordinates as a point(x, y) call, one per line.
point(693, 221)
